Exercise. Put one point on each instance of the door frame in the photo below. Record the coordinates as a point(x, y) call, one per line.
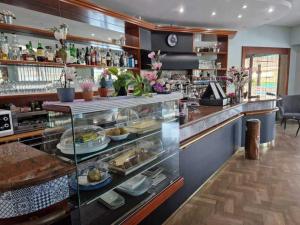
point(250, 50)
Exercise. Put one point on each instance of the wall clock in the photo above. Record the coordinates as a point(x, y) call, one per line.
point(172, 40)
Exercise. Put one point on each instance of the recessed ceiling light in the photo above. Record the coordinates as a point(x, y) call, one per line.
point(270, 10)
point(240, 16)
point(213, 13)
point(92, 34)
point(245, 6)
point(181, 9)
point(109, 39)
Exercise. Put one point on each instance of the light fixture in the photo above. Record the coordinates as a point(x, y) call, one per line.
point(270, 10)
point(240, 16)
point(92, 34)
point(244, 6)
point(213, 13)
point(181, 9)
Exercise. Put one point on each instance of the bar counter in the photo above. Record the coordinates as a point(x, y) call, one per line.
point(209, 137)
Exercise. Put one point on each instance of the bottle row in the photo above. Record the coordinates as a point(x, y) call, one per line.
point(92, 55)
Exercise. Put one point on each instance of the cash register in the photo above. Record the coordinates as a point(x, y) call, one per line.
point(214, 95)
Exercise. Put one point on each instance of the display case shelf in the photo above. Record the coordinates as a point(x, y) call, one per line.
point(132, 138)
point(87, 197)
point(136, 205)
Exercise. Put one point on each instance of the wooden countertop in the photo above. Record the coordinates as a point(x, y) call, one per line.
point(24, 166)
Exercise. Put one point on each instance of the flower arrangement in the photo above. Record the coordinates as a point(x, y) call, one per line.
point(87, 90)
point(67, 76)
point(87, 85)
point(153, 77)
point(156, 63)
point(239, 77)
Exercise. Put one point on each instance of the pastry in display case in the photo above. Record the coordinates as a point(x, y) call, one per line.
point(92, 176)
point(124, 152)
point(117, 133)
point(88, 139)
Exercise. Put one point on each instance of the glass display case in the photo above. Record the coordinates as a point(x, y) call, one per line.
point(126, 150)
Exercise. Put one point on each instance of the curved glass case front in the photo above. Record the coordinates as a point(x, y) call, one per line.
point(124, 157)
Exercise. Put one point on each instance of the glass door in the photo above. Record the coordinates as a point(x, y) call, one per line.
point(268, 72)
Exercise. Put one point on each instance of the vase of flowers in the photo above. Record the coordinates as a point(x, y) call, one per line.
point(239, 77)
point(66, 93)
point(157, 83)
point(87, 90)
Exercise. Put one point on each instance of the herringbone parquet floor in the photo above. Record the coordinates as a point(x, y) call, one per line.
point(243, 192)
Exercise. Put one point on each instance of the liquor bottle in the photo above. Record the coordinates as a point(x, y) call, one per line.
point(49, 54)
point(116, 59)
point(93, 56)
point(4, 47)
point(78, 56)
point(125, 59)
point(103, 58)
point(40, 53)
point(87, 56)
point(98, 56)
point(73, 53)
point(121, 60)
point(58, 58)
point(31, 55)
point(15, 49)
point(108, 58)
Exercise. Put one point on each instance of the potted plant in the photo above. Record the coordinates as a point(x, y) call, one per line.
point(120, 84)
point(66, 93)
point(103, 88)
point(87, 90)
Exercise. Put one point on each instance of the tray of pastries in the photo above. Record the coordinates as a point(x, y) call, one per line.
point(131, 160)
point(143, 126)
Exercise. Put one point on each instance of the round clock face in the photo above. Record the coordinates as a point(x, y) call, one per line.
point(172, 40)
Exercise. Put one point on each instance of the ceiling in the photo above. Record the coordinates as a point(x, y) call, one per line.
point(210, 13)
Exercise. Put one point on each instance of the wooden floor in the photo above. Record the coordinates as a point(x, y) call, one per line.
point(243, 192)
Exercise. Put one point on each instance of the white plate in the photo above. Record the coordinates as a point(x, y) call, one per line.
point(79, 151)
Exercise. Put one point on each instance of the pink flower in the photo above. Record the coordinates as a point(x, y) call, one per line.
point(87, 85)
point(150, 75)
point(151, 55)
point(156, 65)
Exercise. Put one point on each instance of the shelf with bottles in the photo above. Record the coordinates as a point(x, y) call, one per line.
point(30, 31)
point(91, 56)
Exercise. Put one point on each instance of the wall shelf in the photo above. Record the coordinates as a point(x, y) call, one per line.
point(53, 64)
point(30, 31)
point(207, 69)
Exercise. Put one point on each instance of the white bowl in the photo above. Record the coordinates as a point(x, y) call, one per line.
point(119, 137)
